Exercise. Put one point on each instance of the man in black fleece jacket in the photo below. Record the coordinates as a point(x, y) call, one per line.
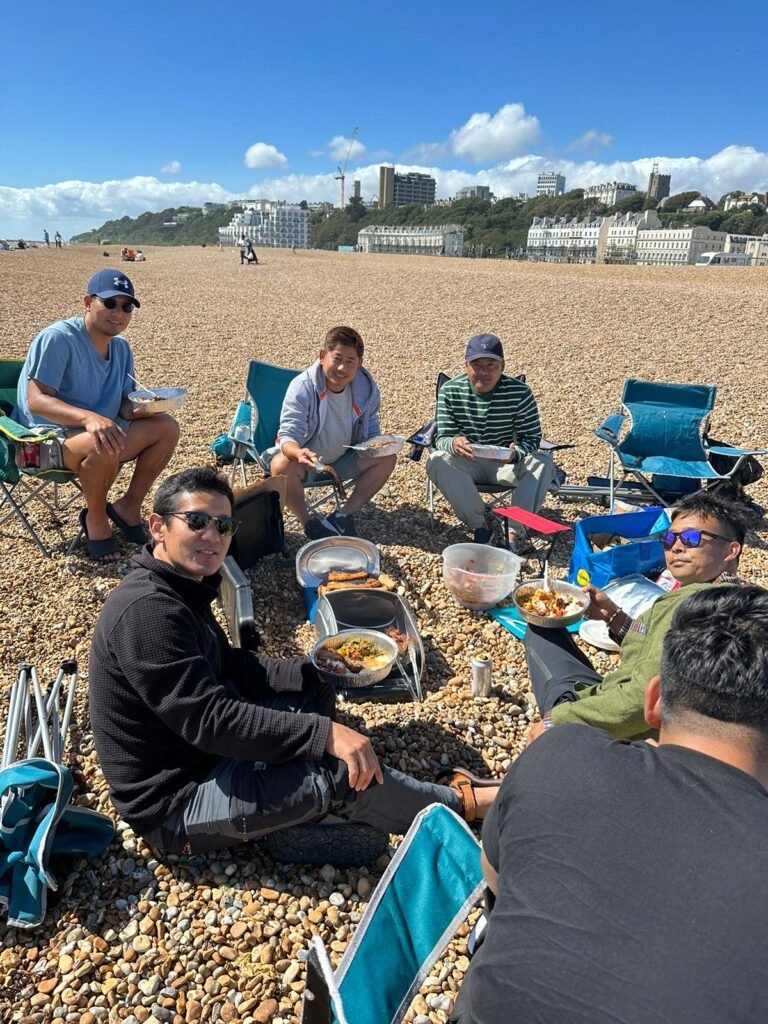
point(204, 745)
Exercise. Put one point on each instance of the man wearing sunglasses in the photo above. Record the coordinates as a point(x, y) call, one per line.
point(77, 377)
point(205, 746)
point(701, 548)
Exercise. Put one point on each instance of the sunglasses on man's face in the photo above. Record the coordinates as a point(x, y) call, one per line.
point(127, 307)
point(688, 538)
point(197, 522)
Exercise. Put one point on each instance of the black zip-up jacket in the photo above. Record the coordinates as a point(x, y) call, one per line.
point(169, 696)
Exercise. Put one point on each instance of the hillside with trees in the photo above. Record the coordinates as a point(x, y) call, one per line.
point(498, 227)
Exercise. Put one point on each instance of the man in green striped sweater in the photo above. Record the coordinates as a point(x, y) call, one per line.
point(485, 407)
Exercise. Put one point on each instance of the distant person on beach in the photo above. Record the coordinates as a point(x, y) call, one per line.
point(243, 247)
point(250, 252)
point(327, 408)
point(630, 877)
point(21, 244)
point(77, 377)
point(139, 257)
point(484, 406)
point(205, 746)
point(46, 238)
point(57, 240)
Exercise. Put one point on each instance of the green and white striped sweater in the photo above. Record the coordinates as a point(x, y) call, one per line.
point(507, 415)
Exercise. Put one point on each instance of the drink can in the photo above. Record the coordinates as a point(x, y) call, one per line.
point(29, 455)
point(482, 675)
point(242, 433)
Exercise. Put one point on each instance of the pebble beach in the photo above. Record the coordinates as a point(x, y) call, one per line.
point(131, 936)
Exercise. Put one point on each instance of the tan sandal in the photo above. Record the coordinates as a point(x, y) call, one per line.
point(464, 783)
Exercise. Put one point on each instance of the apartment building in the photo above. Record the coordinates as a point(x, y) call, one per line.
point(550, 184)
point(677, 246)
point(404, 189)
point(757, 248)
point(611, 192)
point(427, 240)
point(564, 240)
point(617, 238)
point(736, 200)
point(475, 192)
point(269, 224)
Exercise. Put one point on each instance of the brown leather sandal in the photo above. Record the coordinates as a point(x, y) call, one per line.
point(464, 783)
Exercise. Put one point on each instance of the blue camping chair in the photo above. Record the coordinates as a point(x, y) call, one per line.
point(21, 486)
point(665, 448)
point(427, 891)
point(255, 425)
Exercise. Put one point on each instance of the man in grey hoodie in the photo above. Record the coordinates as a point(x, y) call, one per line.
point(333, 404)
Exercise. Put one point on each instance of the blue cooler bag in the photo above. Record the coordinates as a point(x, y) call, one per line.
point(638, 552)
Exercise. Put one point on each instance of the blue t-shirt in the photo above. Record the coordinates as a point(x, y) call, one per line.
point(63, 357)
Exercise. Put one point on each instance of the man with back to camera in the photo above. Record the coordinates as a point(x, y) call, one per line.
point(327, 408)
point(484, 406)
point(702, 547)
point(629, 877)
point(77, 376)
point(204, 745)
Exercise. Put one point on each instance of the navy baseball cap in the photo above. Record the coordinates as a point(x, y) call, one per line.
point(106, 283)
point(484, 346)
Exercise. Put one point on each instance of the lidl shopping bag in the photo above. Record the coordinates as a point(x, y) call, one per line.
point(608, 547)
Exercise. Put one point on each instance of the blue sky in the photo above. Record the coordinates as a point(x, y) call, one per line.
point(106, 111)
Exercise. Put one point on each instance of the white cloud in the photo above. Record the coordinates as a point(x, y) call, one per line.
point(591, 142)
point(424, 152)
point(490, 137)
point(261, 154)
point(314, 153)
point(172, 167)
point(75, 206)
point(339, 146)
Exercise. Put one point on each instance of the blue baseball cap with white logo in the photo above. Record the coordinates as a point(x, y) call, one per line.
point(484, 346)
point(107, 283)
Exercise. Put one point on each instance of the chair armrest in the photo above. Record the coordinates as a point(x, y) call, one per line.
point(610, 428)
point(16, 432)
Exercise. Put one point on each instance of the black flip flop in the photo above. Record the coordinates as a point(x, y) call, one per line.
point(134, 534)
point(98, 550)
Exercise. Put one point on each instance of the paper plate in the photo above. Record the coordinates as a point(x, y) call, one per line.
point(595, 633)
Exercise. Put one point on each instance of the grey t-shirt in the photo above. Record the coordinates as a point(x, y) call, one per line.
point(336, 432)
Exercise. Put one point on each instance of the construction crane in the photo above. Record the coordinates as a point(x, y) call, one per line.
point(343, 170)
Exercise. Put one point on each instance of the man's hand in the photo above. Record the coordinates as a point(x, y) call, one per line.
point(534, 732)
point(107, 435)
point(307, 458)
point(357, 753)
point(515, 456)
point(600, 605)
point(462, 446)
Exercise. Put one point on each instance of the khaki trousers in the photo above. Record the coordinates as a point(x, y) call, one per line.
point(456, 479)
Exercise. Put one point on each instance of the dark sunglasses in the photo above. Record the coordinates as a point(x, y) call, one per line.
point(688, 538)
point(127, 307)
point(197, 521)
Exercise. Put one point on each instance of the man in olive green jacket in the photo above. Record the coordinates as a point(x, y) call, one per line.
point(701, 548)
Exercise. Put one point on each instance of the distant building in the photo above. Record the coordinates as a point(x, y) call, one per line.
point(742, 243)
point(356, 189)
point(550, 184)
point(440, 240)
point(658, 184)
point(738, 199)
point(269, 224)
point(475, 192)
point(610, 193)
point(617, 238)
point(700, 205)
point(404, 189)
point(523, 197)
point(564, 240)
point(677, 246)
point(211, 207)
point(757, 248)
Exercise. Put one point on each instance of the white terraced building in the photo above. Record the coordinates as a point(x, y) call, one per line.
point(428, 240)
point(617, 242)
point(563, 240)
point(270, 225)
point(677, 246)
point(610, 193)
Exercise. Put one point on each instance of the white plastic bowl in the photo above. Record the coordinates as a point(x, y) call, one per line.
point(167, 400)
point(478, 576)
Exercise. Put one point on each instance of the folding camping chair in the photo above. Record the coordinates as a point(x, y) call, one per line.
point(499, 494)
point(665, 450)
point(255, 426)
point(426, 892)
point(20, 485)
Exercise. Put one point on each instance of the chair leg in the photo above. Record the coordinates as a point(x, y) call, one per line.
point(17, 507)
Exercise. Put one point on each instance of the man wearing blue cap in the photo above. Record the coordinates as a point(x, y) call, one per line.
point(77, 376)
point(485, 407)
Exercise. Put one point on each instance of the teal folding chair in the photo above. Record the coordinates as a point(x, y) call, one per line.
point(664, 450)
point(427, 891)
point(21, 484)
point(255, 426)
